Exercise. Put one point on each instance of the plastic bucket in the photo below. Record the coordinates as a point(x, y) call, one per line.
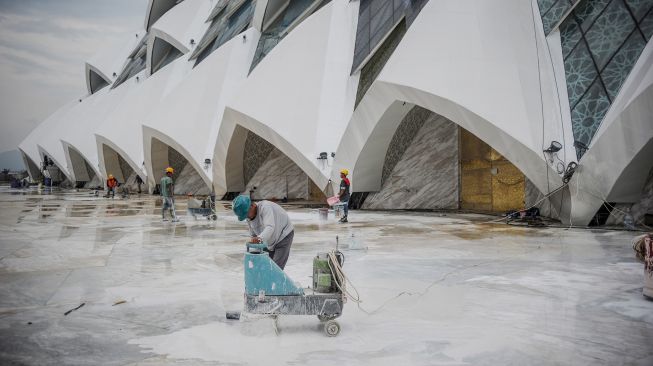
point(338, 210)
point(333, 200)
point(323, 213)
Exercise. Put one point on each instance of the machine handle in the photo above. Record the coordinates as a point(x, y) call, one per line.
point(258, 246)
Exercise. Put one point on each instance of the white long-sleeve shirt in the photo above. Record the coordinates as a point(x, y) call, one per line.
point(271, 223)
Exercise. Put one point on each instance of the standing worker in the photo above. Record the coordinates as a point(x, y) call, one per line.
point(112, 183)
point(139, 181)
point(168, 195)
point(268, 223)
point(344, 192)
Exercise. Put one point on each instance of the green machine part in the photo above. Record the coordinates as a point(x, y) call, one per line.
point(323, 280)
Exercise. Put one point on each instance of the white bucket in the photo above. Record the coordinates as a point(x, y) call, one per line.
point(338, 210)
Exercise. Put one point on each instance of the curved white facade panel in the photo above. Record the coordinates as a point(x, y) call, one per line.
point(311, 67)
point(485, 79)
point(197, 103)
point(283, 87)
point(185, 22)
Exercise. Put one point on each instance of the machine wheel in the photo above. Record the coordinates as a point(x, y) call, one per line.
point(214, 217)
point(331, 328)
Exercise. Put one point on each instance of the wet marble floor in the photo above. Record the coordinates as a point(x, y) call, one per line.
point(436, 289)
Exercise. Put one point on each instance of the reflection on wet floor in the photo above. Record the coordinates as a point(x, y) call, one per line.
point(67, 231)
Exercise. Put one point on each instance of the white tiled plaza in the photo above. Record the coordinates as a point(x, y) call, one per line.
point(436, 289)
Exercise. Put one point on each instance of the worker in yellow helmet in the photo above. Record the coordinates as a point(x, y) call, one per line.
point(168, 195)
point(344, 193)
point(112, 183)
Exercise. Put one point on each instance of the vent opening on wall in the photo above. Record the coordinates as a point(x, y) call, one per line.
point(372, 68)
point(163, 53)
point(376, 19)
point(279, 22)
point(96, 82)
point(136, 62)
point(157, 9)
point(602, 215)
point(228, 22)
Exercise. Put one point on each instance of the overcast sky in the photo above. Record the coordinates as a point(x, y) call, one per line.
point(43, 47)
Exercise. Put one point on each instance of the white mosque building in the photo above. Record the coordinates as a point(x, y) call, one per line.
point(430, 104)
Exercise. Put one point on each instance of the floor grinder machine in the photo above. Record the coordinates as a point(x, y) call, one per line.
point(269, 290)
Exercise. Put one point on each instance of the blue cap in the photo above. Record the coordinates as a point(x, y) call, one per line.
point(241, 206)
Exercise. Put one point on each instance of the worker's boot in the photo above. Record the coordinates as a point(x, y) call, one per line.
point(344, 219)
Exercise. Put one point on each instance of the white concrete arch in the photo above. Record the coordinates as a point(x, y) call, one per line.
point(192, 111)
point(100, 142)
point(83, 120)
point(616, 166)
point(57, 162)
point(228, 156)
point(366, 140)
point(46, 134)
point(133, 102)
point(32, 167)
point(301, 90)
point(186, 22)
point(77, 169)
point(111, 59)
point(153, 174)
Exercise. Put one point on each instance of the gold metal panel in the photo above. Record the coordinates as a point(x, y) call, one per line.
point(476, 188)
point(472, 148)
point(495, 156)
point(488, 182)
point(508, 186)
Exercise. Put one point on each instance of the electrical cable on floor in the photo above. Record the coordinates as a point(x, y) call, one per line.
point(341, 279)
point(533, 205)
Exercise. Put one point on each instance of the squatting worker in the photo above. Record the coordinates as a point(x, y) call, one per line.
point(168, 195)
point(268, 223)
point(344, 192)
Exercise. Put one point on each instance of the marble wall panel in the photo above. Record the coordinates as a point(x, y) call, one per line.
point(187, 179)
point(278, 177)
point(426, 176)
point(406, 132)
point(125, 169)
point(257, 151)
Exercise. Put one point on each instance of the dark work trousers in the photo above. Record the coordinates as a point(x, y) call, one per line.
point(282, 250)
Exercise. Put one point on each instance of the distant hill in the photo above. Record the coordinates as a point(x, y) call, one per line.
point(11, 160)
